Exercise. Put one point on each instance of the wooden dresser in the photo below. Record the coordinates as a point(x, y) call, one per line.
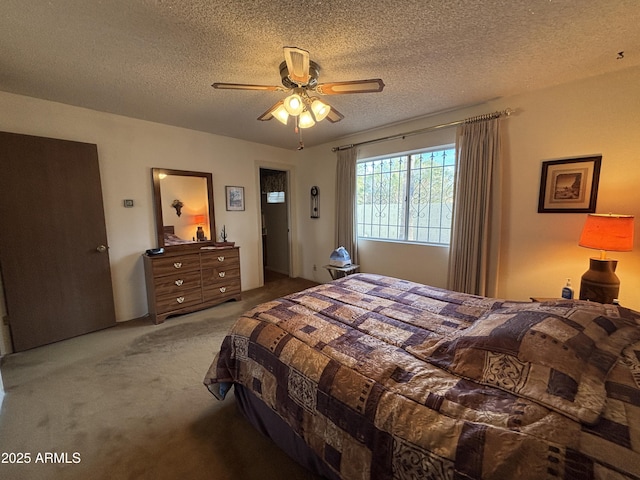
point(186, 282)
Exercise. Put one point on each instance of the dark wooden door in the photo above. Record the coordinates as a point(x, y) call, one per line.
point(54, 255)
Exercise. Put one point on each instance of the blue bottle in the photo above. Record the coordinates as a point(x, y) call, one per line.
point(567, 290)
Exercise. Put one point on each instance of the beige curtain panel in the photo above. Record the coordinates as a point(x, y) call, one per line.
point(474, 251)
point(346, 202)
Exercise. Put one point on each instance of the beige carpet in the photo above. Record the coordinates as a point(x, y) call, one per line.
point(128, 403)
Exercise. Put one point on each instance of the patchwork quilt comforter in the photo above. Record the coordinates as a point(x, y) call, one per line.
point(388, 379)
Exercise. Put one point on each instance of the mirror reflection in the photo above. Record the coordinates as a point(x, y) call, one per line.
point(184, 207)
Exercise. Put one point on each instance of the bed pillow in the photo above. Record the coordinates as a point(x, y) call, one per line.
point(557, 353)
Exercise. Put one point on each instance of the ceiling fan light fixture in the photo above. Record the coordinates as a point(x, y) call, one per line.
point(281, 114)
point(306, 120)
point(293, 104)
point(299, 77)
point(320, 109)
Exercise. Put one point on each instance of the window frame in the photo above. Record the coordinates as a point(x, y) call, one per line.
point(410, 170)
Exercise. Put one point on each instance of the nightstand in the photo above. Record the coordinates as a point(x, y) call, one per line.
point(545, 299)
point(339, 272)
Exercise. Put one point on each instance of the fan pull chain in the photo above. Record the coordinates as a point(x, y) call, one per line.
point(299, 132)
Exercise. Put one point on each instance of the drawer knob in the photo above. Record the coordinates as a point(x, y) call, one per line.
point(221, 274)
point(179, 282)
point(177, 264)
point(180, 299)
point(223, 289)
point(221, 259)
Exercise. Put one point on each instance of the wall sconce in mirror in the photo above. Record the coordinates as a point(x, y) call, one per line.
point(177, 204)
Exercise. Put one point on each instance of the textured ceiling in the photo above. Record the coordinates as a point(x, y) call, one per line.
point(156, 60)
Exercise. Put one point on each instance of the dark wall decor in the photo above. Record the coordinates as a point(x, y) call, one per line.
point(569, 185)
point(315, 202)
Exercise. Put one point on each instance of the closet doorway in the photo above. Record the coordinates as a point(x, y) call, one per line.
point(274, 209)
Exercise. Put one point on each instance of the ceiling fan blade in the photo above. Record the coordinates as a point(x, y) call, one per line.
point(334, 116)
point(355, 86)
point(297, 64)
point(244, 86)
point(268, 115)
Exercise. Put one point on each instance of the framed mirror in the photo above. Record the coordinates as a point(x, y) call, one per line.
point(183, 203)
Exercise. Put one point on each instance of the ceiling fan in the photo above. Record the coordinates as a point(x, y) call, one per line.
point(300, 78)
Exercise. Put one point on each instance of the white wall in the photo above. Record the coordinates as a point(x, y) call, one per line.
point(599, 115)
point(127, 150)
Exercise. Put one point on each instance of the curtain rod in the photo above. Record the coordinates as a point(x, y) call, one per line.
point(485, 116)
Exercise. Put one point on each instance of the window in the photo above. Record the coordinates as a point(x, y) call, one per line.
point(408, 197)
point(275, 197)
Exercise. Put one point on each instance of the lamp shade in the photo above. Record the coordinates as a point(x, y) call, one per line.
point(306, 120)
point(608, 232)
point(320, 109)
point(293, 104)
point(281, 114)
point(199, 219)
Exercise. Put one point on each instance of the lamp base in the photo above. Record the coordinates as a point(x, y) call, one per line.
point(600, 283)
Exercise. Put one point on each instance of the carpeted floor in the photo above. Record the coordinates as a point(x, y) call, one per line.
point(128, 403)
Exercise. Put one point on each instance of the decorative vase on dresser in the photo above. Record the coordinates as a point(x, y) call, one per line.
point(183, 282)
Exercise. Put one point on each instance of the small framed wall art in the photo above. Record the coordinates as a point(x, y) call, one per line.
point(235, 198)
point(569, 185)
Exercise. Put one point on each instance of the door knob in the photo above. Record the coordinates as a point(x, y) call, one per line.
point(101, 248)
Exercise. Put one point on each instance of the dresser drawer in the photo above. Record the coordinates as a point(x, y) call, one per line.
point(221, 290)
point(172, 265)
point(226, 257)
point(167, 303)
point(176, 283)
point(224, 274)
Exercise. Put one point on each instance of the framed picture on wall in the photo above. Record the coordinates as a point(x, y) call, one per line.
point(570, 185)
point(235, 198)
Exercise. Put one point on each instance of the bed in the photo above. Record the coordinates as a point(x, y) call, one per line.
point(373, 377)
point(170, 237)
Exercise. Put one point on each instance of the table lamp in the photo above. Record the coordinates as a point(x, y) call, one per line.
point(199, 220)
point(604, 232)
